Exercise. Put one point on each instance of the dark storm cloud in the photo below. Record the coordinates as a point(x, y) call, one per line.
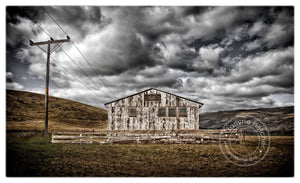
point(284, 80)
point(192, 10)
point(149, 76)
point(271, 63)
point(183, 60)
point(153, 27)
point(17, 15)
point(121, 52)
point(80, 21)
point(31, 12)
point(77, 15)
point(78, 18)
point(227, 57)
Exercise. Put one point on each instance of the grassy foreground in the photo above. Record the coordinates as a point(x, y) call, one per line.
point(36, 156)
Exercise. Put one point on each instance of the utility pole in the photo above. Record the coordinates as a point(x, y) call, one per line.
point(49, 42)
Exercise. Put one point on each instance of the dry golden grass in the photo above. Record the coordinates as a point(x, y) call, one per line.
point(25, 111)
point(39, 125)
point(37, 157)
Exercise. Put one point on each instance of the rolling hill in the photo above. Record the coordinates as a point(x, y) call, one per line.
point(26, 111)
point(278, 120)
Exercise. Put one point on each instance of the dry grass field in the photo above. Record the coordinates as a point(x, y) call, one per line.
point(36, 156)
point(28, 154)
point(25, 111)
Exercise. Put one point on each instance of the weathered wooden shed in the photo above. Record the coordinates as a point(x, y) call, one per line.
point(153, 109)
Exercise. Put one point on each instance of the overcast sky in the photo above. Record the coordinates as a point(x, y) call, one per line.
point(225, 57)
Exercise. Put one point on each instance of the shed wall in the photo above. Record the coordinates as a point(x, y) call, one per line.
point(147, 113)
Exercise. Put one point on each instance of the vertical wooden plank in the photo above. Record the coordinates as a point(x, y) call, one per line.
point(109, 113)
point(197, 118)
point(147, 117)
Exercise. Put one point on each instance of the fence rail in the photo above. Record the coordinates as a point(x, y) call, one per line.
point(153, 136)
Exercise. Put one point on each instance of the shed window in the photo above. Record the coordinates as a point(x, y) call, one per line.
point(132, 112)
point(162, 112)
point(152, 97)
point(172, 112)
point(182, 112)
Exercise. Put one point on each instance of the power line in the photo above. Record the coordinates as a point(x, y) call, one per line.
point(56, 47)
point(49, 42)
point(25, 36)
point(81, 53)
point(82, 70)
point(66, 70)
point(54, 20)
point(96, 95)
point(78, 80)
point(43, 30)
point(56, 62)
point(59, 45)
point(97, 74)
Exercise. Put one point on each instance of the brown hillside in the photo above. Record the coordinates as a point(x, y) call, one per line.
point(278, 120)
point(26, 111)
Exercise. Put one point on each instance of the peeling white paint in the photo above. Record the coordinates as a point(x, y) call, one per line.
point(147, 113)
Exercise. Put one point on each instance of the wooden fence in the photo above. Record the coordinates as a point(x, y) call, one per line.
point(140, 136)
